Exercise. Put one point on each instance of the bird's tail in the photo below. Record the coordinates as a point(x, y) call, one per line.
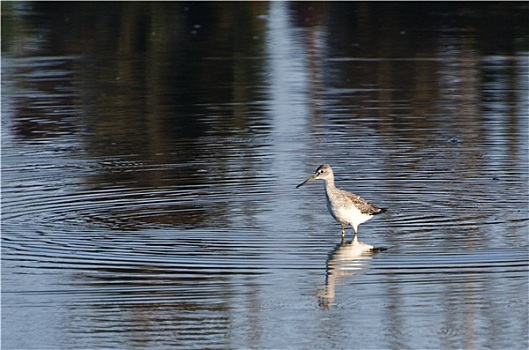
point(382, 210)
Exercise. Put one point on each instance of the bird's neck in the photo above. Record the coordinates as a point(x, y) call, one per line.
point(329, 184)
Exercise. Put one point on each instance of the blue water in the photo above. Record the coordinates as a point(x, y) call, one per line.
point(150, 153)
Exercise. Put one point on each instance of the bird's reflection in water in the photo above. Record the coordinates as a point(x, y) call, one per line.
point(346, 259)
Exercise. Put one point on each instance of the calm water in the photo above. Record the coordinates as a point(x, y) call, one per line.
point(150, 153)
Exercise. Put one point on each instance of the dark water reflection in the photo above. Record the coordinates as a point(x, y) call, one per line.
point(150, 153)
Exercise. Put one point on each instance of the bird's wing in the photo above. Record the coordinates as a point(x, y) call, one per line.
point(364, 206)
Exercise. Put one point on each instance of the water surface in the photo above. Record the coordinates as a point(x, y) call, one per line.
point(150, 154)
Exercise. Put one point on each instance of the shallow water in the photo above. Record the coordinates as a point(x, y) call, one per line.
point(150, 154)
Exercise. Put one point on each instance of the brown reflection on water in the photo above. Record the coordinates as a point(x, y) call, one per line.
point(144, 76)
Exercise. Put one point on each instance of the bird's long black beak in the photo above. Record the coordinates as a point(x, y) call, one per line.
point(306, 181)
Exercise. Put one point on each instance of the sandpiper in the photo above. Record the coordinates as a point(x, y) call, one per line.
point(345, 207)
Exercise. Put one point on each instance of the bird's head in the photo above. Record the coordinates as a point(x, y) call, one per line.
point(324, 172)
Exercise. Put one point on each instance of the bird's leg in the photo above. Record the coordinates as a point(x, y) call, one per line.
point(343, 232)
point(355, 238)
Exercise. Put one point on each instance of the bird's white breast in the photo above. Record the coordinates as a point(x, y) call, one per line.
point(347, 214)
